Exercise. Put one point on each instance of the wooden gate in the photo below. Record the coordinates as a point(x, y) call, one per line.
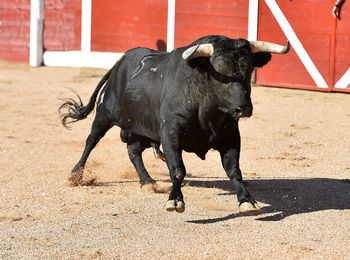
point(341, 38)
point(320, 56)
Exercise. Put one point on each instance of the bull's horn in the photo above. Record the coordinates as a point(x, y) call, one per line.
point(261, 46)
point(202, 50)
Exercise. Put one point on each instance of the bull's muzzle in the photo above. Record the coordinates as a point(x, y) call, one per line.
point(242, 111)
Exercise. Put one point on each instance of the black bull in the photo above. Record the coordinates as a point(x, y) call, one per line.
point(189, 99)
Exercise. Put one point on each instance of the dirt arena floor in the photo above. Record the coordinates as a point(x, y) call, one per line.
point(295, 160)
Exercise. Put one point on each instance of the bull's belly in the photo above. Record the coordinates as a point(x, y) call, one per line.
point(140, 130)
point(198, 143)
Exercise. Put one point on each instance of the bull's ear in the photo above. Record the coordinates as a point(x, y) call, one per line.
point(260, 59)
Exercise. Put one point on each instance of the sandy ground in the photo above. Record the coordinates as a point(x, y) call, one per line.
point(295, 159)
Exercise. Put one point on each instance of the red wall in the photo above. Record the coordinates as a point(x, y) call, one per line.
point(116, 27)
point(14, 30)
point(120, 25)
point(62, 26)
point(198, 18)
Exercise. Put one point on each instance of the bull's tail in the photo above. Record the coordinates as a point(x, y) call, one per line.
point(75, 109)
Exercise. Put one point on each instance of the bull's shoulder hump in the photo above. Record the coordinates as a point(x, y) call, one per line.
point(141, 52)
point(143, 58)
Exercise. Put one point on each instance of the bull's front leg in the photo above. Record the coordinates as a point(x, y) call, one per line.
point(173, 157)
point(230, 162)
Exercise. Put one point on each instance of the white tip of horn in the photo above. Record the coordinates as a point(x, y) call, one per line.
point(262, 46)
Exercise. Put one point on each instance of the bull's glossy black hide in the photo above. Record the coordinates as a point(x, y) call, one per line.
point(150, 89)
point(191, 105)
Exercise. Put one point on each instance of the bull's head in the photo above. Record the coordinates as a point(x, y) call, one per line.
point(230, 66)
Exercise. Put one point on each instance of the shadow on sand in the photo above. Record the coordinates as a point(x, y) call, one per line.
point(286, 197)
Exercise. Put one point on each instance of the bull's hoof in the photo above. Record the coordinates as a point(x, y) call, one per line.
point(76, 177)
point(180, 207)
point(170, 205)
point(173, 205)
point(149, 186)
point(248, 207)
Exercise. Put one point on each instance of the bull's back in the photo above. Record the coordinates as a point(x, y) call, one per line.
point(138, 85)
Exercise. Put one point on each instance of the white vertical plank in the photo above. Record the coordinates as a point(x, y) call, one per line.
point(86, 7)
point(36, 32)
point(253, 20)
point(171, 26)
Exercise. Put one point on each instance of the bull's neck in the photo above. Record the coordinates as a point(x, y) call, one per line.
point(208, 114)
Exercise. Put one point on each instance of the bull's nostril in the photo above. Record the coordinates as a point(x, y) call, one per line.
point(238, 110)
point(243, 111)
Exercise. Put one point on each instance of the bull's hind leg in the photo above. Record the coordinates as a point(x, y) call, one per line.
point(99, 128)
point(135, 149)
